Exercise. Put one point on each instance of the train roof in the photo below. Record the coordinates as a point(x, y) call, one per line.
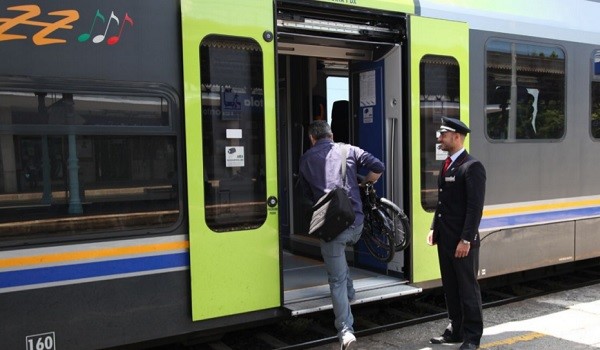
point(573, 20)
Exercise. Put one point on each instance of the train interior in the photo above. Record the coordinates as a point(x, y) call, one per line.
point(332, 68)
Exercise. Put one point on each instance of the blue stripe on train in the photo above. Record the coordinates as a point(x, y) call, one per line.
point(538, 218)
point(93, 269)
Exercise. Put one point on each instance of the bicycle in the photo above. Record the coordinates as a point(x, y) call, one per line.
point(386, 227)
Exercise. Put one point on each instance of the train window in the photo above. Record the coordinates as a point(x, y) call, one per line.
point(233, 131)
point(439, 97)
point(595, 117)
point(60, 174)
point(525, 91)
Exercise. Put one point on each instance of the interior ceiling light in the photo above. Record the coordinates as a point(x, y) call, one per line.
point(331, 27)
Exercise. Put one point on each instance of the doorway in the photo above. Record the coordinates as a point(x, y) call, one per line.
point(354, 84)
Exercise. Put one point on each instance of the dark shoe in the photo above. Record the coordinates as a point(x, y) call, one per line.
point(468, 346)
point(445, 338)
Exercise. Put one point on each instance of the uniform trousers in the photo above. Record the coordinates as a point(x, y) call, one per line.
point(338, 273)
point(463, 297)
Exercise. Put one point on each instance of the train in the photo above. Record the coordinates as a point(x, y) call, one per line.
point(149, 152)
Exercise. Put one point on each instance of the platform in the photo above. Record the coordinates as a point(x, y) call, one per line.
point(564, 320)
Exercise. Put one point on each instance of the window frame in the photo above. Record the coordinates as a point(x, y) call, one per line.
point(101, 88)
point(425, 130)
point(594, 79)
point(518, 41)
point(214, 204)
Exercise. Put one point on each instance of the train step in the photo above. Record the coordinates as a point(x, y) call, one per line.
point(320, 300)
point(307, 291)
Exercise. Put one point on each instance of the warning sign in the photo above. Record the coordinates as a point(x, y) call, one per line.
point(234, 156)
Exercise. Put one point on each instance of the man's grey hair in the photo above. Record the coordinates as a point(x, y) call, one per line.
point(319, 129)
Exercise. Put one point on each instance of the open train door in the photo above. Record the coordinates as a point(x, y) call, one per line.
point(369, 61)
point(439, 86)
point(377, 112)
point(229, 87)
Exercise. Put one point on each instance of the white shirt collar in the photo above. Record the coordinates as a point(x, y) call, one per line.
point(455, 155)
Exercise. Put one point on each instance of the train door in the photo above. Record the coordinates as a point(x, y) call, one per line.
point(229, 87)
point(439, 86)
point(314, 45)
point(376, 110)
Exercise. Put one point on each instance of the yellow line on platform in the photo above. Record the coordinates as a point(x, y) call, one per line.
point(513, 340)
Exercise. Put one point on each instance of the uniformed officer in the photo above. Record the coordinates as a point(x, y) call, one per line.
point(455, 230)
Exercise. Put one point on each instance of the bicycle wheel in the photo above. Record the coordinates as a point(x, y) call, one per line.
point(399, 223)
point(376, 235)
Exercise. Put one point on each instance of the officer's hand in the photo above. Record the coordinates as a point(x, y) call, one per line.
point(462, 250)
point(430, 238)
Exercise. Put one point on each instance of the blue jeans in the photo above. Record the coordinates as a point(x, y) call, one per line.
point(338, 273)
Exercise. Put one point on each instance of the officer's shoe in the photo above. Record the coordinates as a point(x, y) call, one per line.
point(348, 341)
point(445, 338)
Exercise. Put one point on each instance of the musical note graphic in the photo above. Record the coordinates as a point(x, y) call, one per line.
point(100, 38)
point(85, 36)
point(115, 39)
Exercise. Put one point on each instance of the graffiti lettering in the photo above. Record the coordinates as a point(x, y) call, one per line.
point(41, 37)
point(31, 11)
point(69, 16)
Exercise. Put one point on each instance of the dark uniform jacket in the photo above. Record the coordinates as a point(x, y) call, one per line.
point(461, 192)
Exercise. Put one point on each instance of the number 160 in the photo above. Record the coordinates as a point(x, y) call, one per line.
point(40, 341)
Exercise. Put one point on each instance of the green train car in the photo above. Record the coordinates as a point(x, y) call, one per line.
point(149, 152)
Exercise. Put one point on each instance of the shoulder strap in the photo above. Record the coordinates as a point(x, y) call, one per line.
point(344, 148)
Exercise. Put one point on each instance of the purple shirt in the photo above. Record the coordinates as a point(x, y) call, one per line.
point(320, 171)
